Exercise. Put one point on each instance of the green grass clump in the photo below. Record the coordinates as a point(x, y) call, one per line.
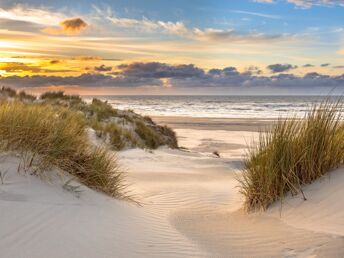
point(9, 92)
point(115, 135)
point(22, 95)
point(59, 98)
point(150, 137)
point(293, 153)
point(101, 109)
point(59, 95)
point(57, 137)
point(118, 128)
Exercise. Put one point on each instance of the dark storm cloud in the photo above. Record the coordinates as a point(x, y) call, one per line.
point(103, 68)
point(178, 76)
point(159, 70)
point(85, 80)
point(308, 65)
point(279, 68)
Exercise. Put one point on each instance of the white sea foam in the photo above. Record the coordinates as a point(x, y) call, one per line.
point(215, 106)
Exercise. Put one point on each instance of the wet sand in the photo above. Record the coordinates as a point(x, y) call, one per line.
point(227, 124)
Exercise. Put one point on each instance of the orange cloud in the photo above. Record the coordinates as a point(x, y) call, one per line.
point(20, 68)
point(69, 27)
point(74, 25)
point(87, 58)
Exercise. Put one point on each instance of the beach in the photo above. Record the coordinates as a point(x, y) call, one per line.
point(189, 206)
point(172, 129)
point(197, 194)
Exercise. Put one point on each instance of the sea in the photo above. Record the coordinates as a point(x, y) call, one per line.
point(216, 106)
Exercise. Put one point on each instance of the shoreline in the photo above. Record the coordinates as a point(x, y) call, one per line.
point(205, 123)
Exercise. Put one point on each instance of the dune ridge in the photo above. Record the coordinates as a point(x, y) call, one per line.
point(190, 207)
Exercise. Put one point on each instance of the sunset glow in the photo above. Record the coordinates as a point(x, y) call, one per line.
point(96, 45)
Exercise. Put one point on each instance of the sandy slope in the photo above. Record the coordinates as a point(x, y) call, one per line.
point(324, 209)
point(198, 195)
point(40, 219)
point(191, 208)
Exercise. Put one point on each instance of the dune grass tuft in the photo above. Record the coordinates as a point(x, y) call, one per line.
point(151, 138)
point(101, 109)
point(57, 137)
point(59, 95)
point(293, 153)
point(121, 129)
point(7, 92)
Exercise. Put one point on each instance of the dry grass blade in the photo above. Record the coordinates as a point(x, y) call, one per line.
point(2, 176)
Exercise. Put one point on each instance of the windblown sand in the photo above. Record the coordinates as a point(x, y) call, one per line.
point(190, 208)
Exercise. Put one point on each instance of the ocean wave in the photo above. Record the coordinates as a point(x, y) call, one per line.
point(216, 106)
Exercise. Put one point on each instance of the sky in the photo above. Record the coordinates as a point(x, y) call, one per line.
point(173, 47)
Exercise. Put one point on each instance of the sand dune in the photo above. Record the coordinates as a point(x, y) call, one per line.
point(208, 209)
point(190, 208)
point(40, 219)
point(322, 212)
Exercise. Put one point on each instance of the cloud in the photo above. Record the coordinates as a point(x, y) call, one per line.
point(264, 1)
point(178, 76)
point(31, 15)
point(310, 3)
point(22, 16)
point(177, 28)
point(325, 65)
point(12, 25)
point(68, 26)
point(306, 3)
point(87, 58)
point(253, 70)
point(278, 68)
point(16, 67)
point(220, 35)
point(200, 34)
point(55, 61)
point(103, 68)
point(339, 67)
point(83, 80)
point(159, 70)
point(308, 65)
point(264, 15)
point(74, 25)
point(144, 24)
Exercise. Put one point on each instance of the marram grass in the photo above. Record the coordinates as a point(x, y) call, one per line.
point(56, 137)
point(294, 152)
point(120, 129)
